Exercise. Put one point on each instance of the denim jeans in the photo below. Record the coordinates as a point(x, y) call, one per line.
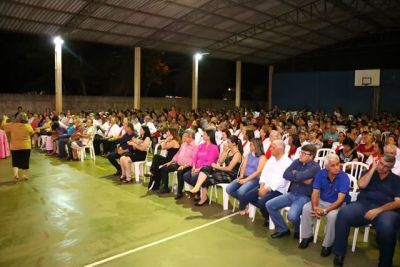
point(386, 226)
point(253, 198)
point(295, 202)
point(189, 178)
point(238, 191)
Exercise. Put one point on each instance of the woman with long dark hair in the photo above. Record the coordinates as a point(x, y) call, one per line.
point(206, 154)
point(224, 171)
point(171, 144)
point(137, 152)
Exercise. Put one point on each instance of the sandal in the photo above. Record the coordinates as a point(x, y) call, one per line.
point(127, 181)
point(123, 177)
point(16, 179)
point(25, 178)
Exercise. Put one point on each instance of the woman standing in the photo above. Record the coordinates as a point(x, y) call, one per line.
point(21, 133)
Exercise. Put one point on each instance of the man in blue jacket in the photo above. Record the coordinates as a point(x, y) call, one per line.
point(300, 174)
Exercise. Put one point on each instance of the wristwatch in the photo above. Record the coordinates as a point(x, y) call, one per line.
point(324, 211)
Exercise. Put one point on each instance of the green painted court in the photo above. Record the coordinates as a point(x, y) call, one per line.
point(77, 214)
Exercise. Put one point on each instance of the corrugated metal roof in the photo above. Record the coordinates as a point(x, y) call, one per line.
point(256, 31)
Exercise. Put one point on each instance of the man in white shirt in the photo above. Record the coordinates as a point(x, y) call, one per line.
point(109, 133)
point(271, 182)
point(150, 124)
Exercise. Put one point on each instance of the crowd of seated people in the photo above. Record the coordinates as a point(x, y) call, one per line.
point(267, 158)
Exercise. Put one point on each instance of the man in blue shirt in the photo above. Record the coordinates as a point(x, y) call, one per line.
point(300, 174)
point(378, 204)
point(330, 189)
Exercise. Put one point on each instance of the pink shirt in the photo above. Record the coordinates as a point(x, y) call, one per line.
point(185, 154)
point(205, 155)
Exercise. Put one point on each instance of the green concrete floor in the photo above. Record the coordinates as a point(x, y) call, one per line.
point(76, 213)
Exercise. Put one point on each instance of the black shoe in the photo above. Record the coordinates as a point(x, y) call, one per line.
point(326, 251)
point(127, 181)
point(280, 234)
point(305, 242)
point(198, 204)
point(266, 223)
point(178, 196)
point(296, 235)
point(164, 190)
point(338, 261)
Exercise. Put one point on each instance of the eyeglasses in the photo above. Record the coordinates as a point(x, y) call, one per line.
point(305, 153)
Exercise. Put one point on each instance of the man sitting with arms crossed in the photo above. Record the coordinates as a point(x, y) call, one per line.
point(330, 190)
point(301, 174)
point(378, 204)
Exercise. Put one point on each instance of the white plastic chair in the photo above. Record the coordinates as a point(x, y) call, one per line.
point(355, 168)
point(384, 136)
point(285, 136)
point(82, 151)
point(360, 156)
point(139, 167)
point(42, 142)
point(225, 195)
point(322, 152)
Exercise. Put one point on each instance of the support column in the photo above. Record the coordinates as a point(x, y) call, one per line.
point(58, 75)
point(270, 74)
point(238, 83)
point(195, 80)
point(136, 95)
point(375, 101)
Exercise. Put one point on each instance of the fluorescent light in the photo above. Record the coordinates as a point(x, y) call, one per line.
point(58, 40)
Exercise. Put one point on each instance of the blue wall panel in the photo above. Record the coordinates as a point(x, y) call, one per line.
point(324, 90)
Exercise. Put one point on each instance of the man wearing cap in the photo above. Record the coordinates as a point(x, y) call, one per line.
point(300, 174)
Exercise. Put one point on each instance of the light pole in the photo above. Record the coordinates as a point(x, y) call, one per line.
point(195, 79)
point(58, 72)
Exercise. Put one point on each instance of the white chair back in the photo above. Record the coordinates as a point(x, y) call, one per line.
point(322, 152)
point(384, 136)
point(355, 168)
point(353, 188)
point(285, 136)
point(360, 156)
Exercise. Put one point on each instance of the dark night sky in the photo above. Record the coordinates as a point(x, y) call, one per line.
point(27, 64)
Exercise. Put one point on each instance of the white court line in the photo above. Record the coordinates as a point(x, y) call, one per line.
point(159, 241)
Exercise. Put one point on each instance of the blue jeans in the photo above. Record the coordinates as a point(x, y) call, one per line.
point(252, 197)
point(295, 202)
point(189, 178)
point(238, 191)
point(386, 226)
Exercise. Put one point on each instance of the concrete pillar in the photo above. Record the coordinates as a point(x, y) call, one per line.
point(136, 94)
point(195, 83)
point(238, 82)
point(58, 75)
point(270, 73)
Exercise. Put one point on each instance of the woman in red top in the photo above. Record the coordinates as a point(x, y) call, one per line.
point(367, 148)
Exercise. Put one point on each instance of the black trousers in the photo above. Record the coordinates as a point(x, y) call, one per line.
point(171, 168)
point(112, 157)
point(109, 145)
